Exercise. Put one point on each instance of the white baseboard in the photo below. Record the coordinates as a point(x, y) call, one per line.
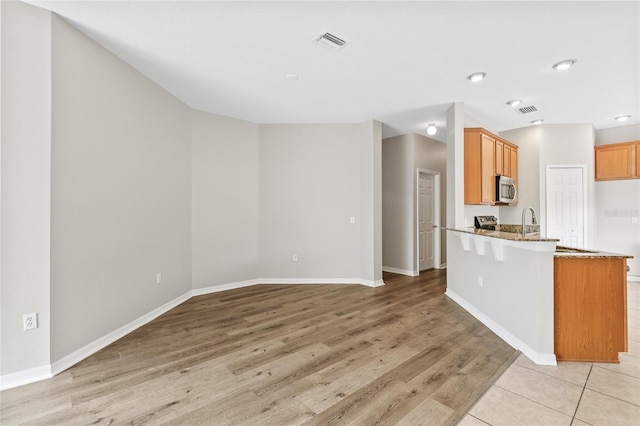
point(93, 347)
point(223, 287)
point(537, 357)
point(25, 377)
point(32, 375)
point(443, 266)
point(400, 271)
point(633, 278)
point(360, 281)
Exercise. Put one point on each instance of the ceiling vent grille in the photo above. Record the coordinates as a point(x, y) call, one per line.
point(526, 110)
point(331, 41)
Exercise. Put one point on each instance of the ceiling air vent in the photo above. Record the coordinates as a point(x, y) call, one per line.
point(331, 41)
point(526, 110)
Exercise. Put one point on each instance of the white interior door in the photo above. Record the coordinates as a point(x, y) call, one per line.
point(565, 205)
point(426, 221)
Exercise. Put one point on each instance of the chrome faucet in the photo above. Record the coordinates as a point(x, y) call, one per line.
point(534, 221)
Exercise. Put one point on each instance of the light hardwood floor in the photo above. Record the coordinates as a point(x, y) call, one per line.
point(280, 355)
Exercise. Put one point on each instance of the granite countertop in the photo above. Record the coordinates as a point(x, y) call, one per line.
point(503, 235)
point(535, 236)
point(588, 254)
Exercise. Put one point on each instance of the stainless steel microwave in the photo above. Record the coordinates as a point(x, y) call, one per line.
point(505, 190)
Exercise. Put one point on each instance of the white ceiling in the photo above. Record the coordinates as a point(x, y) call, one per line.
point(404, 64)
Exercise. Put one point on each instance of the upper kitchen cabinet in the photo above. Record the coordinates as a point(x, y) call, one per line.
point(618, 161)
point(486, 156)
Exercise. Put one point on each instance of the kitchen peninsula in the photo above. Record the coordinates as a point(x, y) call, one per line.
point(507, 282)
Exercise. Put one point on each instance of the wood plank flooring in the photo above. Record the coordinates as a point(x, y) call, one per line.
point(283, 355)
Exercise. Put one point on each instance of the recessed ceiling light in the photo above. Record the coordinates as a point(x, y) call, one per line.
point(477, 76)
point(291, 77)
point(432, 129)
point(623, 117)
point(564, 65)
point(538, 121)
point(514, 102)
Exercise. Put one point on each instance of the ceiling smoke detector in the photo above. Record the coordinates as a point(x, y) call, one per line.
point(526, 110)
point(331, 41)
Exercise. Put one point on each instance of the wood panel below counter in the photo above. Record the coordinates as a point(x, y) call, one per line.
point(590, 309)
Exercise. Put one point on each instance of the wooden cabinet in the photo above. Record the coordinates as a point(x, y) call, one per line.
point(618, 161)
point(485, 156)
point(590, 308)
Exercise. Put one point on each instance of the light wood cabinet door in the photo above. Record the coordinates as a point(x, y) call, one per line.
point(500, 158)
point(485, 156)
point(506, 160)
point(637, 145)
point(513, 162)
point(487, 170)
point(617, 161)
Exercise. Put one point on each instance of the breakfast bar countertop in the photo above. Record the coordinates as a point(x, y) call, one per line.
point(561, 251)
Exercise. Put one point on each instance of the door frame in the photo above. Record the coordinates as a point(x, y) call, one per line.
point(436, 219)
point(583, 167)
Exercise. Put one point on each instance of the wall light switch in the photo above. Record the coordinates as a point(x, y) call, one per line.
point(634, 219)
point(158, 278)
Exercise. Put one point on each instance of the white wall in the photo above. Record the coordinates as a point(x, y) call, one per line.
point(515, 299)
point(121, 193)
point(528, 141)
point(26, 181)
point(568, 144)
point(225, 210)
point(616, 203)
point(310, 187)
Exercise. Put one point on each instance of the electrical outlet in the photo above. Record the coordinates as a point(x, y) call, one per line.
point(158, 278)
point(30, 321)
point(294, 258)
point(352, 220)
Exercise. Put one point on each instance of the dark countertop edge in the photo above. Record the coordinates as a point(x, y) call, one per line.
point(501, 235)
point(591, 254)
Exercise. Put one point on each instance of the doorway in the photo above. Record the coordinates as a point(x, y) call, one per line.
point(428, 219)
point(566, 205)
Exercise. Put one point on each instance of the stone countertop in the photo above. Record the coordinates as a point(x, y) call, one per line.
point(511, 236)
point(587, 254)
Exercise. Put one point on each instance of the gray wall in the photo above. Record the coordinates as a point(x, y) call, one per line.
point(431, 154)
point(225, 211)
point(401, 157)
point(397, 204)
point(26, 169)
point(616, 203)
point(121, 193)
point(309, 188)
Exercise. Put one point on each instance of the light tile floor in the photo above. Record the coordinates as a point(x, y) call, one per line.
point(571, 393)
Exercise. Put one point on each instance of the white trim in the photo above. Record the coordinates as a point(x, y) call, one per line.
point(436, 217)
point(538, 358)
point(25, 377)
point(223, 287)
point(633, 278)
point(400, 271)
point(360, 281)
point(443, 266)
point(93, 347)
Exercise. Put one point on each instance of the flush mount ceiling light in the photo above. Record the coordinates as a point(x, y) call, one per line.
point(477, 76)
point(564, 65)
point(514, 102)
point(623, 117)
point(291, 77)
point(538, 121)
point(432, 129)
